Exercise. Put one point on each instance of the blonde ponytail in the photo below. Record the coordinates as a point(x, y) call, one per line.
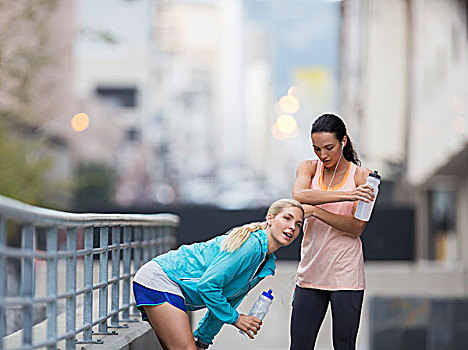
point(239, 235)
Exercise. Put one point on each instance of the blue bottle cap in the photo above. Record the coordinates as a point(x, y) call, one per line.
point(268, 294)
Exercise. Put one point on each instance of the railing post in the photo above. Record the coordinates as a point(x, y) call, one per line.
point(147, 246)
point(2, 279)
point(103, 278)
point(154, 238)
point(115, 290)
point(71, 288)
point(52, 245)
point(126, 257)
point(137, 238)
point(27, 280)
point(168, 234)
point(138, 254)
point(160, 235)
point(88, 283)
point(173, 237)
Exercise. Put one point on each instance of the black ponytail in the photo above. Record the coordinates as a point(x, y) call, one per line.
point(333, 124)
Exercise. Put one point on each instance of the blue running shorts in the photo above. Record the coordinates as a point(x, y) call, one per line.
point(150, 297)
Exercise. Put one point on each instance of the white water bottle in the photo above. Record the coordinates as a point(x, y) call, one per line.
point(260, 308)
point(364, 210)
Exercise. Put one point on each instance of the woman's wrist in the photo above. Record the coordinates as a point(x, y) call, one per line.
point(313, 211)
point(308, 209)
point(347, 195)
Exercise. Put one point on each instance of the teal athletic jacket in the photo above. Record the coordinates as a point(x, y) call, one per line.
point(217, 280)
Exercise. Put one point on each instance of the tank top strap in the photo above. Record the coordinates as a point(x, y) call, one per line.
point(350, 183)
point(317, 175)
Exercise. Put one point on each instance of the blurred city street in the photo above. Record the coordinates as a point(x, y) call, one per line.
point(203, 109)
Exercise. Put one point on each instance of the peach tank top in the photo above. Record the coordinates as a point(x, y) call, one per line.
point(331, 259)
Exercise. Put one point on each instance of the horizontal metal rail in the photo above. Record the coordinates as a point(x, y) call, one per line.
point(42, 217)
point(89, 246)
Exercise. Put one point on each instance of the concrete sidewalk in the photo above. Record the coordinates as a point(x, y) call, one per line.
point(274, 334)
point(382, 279)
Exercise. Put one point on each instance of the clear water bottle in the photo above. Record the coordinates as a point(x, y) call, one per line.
point(364, 210)
point(260, 308)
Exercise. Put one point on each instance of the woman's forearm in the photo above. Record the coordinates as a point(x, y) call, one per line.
point(316, 197)
point(345, 223)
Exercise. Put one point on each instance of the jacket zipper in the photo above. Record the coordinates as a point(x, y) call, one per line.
point(250, 280)
point(253, 276)
point(231, 296)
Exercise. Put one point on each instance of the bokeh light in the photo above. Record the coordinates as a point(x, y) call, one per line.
point(286, 124)
point(289, 104)
point(459, 124)
point(165, 194)
point(458, 105)
point(292, 91)
point(277, 134)
point(80, 122)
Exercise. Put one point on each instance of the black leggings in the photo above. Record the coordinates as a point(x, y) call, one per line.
point(308, 312)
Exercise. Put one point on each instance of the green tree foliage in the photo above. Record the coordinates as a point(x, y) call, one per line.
point(94, 187)
point(22, 175)
point(24, 161)
point(27, 151)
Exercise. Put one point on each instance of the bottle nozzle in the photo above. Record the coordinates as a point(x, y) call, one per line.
point(268, 294)
point(375, 174)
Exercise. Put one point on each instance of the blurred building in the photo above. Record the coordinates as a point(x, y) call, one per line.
point(36, 85)
point(37, 90)
point(215, 139)
point(224, 67)
point(196, 87)
point(172, 73)
point(113, 73)
point(93, 140)
point(188, 39)
point(404, 77)
point(437, 161)
point(303, 74)
point(404, 97)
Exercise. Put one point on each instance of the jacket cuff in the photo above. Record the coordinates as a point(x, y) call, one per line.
point(201, 344)
point(237, 318)
point(197, 335)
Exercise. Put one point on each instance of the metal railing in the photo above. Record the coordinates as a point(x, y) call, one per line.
point(50, 238)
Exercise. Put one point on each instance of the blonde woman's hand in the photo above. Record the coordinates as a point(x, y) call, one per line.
point(248, 323)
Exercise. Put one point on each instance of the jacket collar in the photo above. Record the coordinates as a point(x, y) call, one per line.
point(270, 265)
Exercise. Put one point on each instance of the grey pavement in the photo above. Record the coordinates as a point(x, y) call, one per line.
point(274, 334)
point(382, 279)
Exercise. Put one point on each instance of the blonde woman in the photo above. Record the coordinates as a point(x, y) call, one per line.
point(215, 274)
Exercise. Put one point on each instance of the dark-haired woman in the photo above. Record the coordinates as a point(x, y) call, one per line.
point(331, 270)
